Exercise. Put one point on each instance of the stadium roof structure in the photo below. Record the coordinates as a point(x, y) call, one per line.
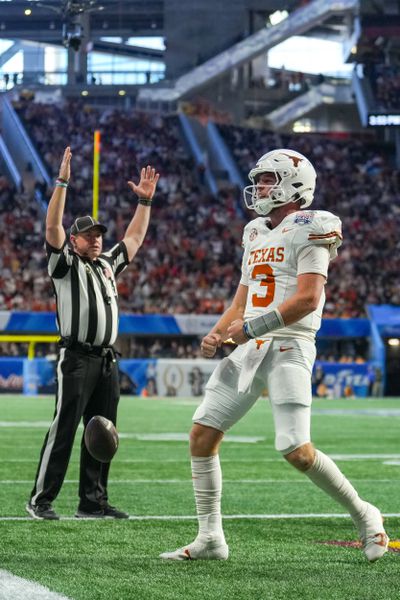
point(107, 18)
point(111, 18)
point(315, 14)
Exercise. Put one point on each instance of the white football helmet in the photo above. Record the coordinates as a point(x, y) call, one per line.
point(295, 180)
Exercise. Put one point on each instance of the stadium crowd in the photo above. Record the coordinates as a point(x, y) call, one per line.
point(357, 181)
point(185, 265)
point(387, 87)
point(383, 74)
point(24, 284)
point(187, 262)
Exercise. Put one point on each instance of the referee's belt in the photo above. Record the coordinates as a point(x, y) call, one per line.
point(86, 348)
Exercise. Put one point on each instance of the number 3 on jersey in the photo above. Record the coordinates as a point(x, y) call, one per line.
point(268, 281)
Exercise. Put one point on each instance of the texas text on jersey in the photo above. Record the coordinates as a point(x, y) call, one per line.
point(273, 258)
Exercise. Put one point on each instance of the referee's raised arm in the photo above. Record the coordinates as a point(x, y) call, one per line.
point(137, 228)
point(55, 234)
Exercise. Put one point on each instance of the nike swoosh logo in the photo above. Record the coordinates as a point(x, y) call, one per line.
point(285, 229)
point(285, 349)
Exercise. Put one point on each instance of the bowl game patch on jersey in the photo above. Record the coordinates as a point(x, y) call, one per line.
point(304, 217)
point(253, 234)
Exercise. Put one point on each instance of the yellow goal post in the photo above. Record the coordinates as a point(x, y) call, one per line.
point(31, 339)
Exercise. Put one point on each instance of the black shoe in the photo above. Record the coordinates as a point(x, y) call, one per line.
point(113, 513)
point(42, 511)
point(89, 514)
point(108, 512)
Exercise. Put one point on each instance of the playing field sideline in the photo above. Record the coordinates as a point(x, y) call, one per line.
point(276, 522)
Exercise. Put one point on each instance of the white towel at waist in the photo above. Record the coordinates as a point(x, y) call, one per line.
point(251, 359)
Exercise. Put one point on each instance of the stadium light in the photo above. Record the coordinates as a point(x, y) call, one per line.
point(278, 16)
point(303, 126)
point(72, 34)
point(394, 342)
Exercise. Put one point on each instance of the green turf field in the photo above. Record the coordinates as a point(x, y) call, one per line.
point(275, 519)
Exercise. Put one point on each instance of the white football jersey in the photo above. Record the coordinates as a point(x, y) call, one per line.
point(304, 242)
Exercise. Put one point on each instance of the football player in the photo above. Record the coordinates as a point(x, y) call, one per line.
point(273, 318)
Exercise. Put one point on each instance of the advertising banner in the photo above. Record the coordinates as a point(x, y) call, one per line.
point(338, 380)
point(11, 377)
point(183, 377)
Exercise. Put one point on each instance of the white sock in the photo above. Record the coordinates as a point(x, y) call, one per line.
point(207, 485)
point(327, 476)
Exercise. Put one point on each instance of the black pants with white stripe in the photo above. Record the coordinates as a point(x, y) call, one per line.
point(87, 385)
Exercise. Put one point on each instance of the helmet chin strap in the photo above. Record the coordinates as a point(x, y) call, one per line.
point(270, 208)
point(264, 205)
point(262, 213)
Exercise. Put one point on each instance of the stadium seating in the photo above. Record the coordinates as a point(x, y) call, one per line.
point(189, 262)
point(356, 180)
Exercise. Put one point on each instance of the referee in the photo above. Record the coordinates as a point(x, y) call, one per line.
point(83, 277)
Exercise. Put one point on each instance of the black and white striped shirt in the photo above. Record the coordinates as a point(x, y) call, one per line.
point(86, 293)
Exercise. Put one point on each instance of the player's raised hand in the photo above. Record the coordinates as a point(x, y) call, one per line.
point(209, 344)
point(147, 184)
point(65, 167)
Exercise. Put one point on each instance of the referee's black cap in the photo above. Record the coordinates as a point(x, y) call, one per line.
point(82, 224)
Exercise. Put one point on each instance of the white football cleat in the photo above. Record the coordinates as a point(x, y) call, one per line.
point(199, 550)
point(374, 540)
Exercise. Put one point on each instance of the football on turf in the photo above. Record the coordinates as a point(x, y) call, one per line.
point(101, 439)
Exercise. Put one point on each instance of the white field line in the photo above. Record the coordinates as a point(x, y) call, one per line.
point(374, 412)
point(142, 437)
point(189, 482)
point(363, 456)
point(225, 517)
point(17, 588)
point(344, 457)
point(184, 437)
point(355, 412)
point(24, 424)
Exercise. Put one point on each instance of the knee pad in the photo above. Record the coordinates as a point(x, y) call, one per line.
point(210, 412)
point(292, 426)
point(284, 446)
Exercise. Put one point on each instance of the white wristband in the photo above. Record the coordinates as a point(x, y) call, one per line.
point(263, 324)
